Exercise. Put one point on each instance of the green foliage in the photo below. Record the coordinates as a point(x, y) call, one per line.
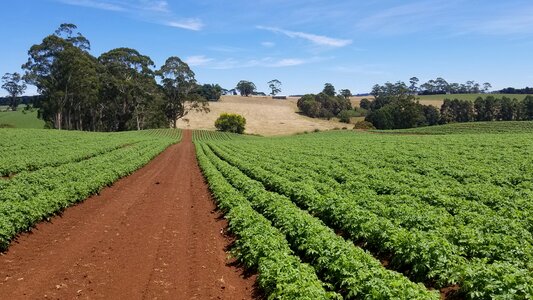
point(231, 123)
point(246, 88)
point(506, 127)
point(179, 89)
point(210, 92)
point(260, 246)
point(365, 125)
point(13, 85)
point(21, 119)
point(329, 90)
point(52, 170)
point(394, 107)
point(347, 268)
point(346, 115)
point(323, 105)
point(444, 210)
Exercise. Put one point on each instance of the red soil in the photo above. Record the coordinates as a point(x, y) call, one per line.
point(154, 234)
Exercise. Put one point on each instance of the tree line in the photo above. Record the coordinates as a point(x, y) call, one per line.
point(119, 90)
point(395, 107)
point(441, 86)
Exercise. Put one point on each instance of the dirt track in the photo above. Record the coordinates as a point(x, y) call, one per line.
point(152, 235)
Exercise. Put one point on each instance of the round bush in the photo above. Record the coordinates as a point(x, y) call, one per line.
point(364, 125)
point(230, 123)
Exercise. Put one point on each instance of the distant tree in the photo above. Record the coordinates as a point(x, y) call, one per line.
point(329, 89)
point(211, 92)
point(346, 93)
point(365, 103)
point(528, 108)
point(179, 86)
point(486, 87)
point(413, 87)
point(246, 88)
point(323, 105)
point(275, 87)
point(395, 107)
point(456, 111)
point(12, 83)
point(231, 123)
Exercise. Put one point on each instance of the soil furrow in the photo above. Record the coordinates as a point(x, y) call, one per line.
point(152, 235)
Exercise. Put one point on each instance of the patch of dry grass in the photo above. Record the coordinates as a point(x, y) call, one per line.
point(264, 116)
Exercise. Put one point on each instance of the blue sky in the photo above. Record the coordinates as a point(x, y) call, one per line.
point(303, 43)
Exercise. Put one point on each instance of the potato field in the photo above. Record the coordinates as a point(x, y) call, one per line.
point(378, 216)
point(44, 171)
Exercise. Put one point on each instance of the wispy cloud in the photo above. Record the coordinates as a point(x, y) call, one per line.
point(268, 44)
point(513, 22)
point(313, 38)
point(197, 60)
point(95, 4)
point(153, 11)
point(190, 24)
point(232, 63)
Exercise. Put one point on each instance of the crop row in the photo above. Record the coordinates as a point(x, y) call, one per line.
point(31, 197)
point(30, 150)
point(260, 246)
point(483, 233)
point(419, 233)
point(352, 271)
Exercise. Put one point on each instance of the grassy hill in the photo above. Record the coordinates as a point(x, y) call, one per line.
point(264, 116)
point(20, 119)
point(470, 97)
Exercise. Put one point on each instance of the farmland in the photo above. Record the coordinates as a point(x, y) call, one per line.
point(471, 128)
point(44, 171)
point(380, 216)
point(20, 119)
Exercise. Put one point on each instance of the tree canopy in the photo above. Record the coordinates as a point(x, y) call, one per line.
point(275, 87)
point(114, 92)
point(13, 84)
point(246, 88)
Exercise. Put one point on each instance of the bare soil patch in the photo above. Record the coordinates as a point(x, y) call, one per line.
point(154, 234)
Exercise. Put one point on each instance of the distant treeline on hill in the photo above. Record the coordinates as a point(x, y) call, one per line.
point(4, 101)
point(510, 90)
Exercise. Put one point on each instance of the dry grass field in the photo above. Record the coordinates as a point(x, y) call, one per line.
point(264, 116)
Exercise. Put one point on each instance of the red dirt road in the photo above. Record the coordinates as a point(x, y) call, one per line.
point(152, 235)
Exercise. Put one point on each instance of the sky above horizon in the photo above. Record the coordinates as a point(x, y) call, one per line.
point(302, 43)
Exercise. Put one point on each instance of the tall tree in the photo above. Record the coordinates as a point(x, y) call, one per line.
point(329, 89)
point(413, 87)
point(246, 88)
point(128, 87)
point(12, 83)
point(275, 86)
point(179, 87)
point(346, 93)
point(55, 66)
point(486, 87)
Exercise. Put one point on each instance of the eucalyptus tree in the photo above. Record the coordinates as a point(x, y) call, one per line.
point(63, 71)
point(275, 86)
point(246, 88)
point(180, 90)
point(128, 87)
point(13, 84)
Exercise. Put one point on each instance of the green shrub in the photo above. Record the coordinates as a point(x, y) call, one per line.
point(230, 123)
point(364, 125)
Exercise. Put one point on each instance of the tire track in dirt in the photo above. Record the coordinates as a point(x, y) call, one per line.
point(153, 235)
